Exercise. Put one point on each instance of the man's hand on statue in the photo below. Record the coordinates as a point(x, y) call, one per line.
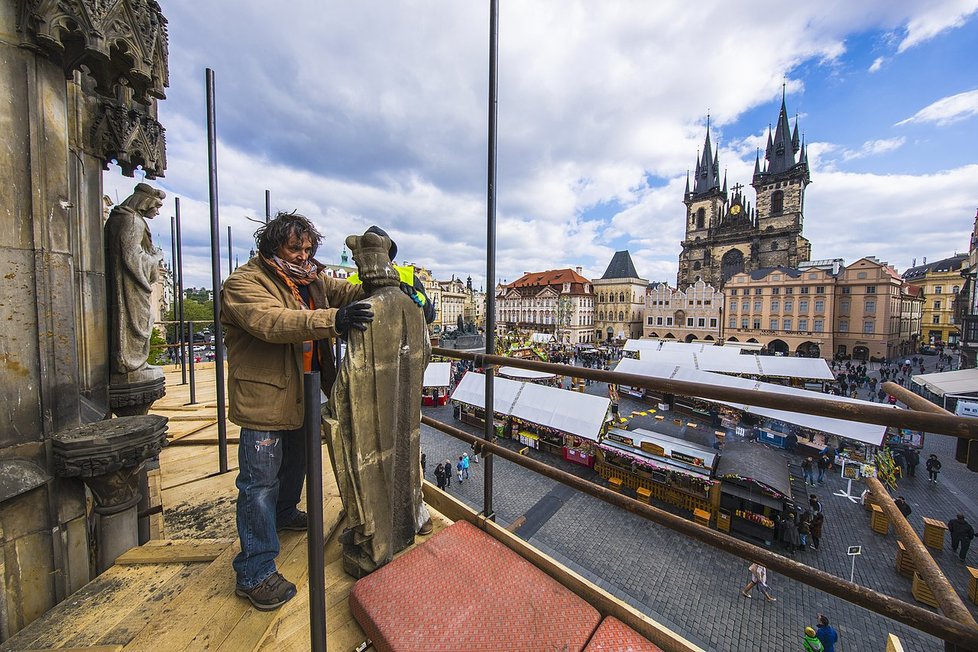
point(356, 315)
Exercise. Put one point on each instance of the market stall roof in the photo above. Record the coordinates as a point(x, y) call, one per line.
point(672, 444)
point(523, 374)
point(757, 463)
point(664, 345)
point(720, 360)
point(571, 412)
point(662, 462)
point(438, 374)
point(541, 338)
point(963, 381)
point(472, 390)
point(868, 433)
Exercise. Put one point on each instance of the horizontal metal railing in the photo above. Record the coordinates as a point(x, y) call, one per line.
point(959, 632)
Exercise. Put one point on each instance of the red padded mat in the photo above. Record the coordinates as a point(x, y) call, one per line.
point(615, 636)
point(464, 591)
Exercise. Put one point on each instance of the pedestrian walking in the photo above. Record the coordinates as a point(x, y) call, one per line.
point(826, 634)
point(440, 476)
point(448, 473)
point(758, 578)
point(459, 467)
point(961, 535)
point(902, 505)
point(814, 504)
point(465, 465)
point(823, 464)
point(808, 468)
point(913, 459)
point(933, 467)
point(817, 523)
point(810, 642)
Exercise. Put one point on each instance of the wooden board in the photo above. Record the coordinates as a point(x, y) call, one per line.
point(181, 551)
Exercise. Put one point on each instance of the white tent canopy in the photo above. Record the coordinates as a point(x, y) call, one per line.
point(867, 433)
point(541, 338)
point(579, 414)
point(721, 360)
point(696, 347)
point(963, 381)
point(438, 374)
point(523, 374)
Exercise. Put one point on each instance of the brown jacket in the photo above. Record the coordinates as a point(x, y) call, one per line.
point(265, 327)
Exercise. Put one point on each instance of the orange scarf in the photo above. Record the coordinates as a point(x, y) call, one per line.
point(293, 276)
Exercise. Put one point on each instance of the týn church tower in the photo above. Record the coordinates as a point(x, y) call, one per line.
point(725, 234)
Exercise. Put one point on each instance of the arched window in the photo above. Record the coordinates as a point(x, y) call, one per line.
point(700, 218)
point(732, 263)
point(621, 316)
point(777, 202)
point(696, 265)
point(621, 297)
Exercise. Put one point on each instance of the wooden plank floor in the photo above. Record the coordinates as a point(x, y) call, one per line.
point(159, 598)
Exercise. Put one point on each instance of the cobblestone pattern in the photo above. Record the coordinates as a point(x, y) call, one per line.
point(695, 589)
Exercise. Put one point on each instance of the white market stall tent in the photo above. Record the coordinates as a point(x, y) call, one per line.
point(515, 373)
point(963, 381)
point(867, 433)
point(438, 374)
point(667, 345)
point(719, 359)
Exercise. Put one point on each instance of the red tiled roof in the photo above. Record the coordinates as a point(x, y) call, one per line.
point(548, 277)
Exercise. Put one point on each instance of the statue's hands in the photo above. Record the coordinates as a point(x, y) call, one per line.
point(356, 315)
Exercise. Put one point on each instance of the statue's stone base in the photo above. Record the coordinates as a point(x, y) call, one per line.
point(132, 394)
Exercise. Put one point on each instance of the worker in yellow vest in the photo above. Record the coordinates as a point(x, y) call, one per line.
point(410, 284)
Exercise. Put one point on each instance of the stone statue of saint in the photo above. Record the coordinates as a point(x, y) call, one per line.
point(374, 416)
point(132, 267)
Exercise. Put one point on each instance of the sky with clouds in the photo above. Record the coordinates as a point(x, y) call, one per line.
point(360, 113)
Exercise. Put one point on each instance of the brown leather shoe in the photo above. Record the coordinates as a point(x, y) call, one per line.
point(270, 594)
point(426, 528)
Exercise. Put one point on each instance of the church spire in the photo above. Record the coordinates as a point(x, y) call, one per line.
point(707, 176)
point(687, 182)
point(781, 152)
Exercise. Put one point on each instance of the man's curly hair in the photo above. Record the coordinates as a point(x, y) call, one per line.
point(270, 237)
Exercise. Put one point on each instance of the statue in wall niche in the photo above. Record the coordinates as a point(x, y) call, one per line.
point(132, 267)
point(373, 417)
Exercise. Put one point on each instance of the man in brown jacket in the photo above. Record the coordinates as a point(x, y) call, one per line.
point(279, 312)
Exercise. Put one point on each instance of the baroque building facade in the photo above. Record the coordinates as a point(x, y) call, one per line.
point(620, 300)
point(941, 282)
point(725, 234)
point(558, 301)
point(686, 315)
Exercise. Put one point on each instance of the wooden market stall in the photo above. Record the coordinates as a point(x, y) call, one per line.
point(755, 487)
point(561, 422)
point(437, 383)
point(669, 469)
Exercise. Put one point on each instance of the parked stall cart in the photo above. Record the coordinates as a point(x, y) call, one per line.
point(755, 490)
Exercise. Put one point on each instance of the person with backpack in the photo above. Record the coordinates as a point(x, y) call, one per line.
point(810, 642)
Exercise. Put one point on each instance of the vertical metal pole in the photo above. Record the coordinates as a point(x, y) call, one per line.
point(230, 254)
point(190, 363)
point(314, 508)
point(175, 350)
point(222, 430)
point(268, 205)
point(490, 411)
point(183, 349)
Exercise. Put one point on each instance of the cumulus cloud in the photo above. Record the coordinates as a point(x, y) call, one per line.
point(946, 110)
point(362, 113)
point(874, 147)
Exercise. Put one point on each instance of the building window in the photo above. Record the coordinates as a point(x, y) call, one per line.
point(775, 290)
point(789, 306)
point(955, 289)
point(696, 265)
point(774, 324)
point(713, 322)
point(733, 322)
point(789, 290)
point(689, 322)
point(819, 305)
point(745, 306)
point(758, 291)
point(733, 292)
point(861, 275)
point(743, 323)
point(621, 316)
point(819, 289)
point(868, 326)
point(701, 322)
point(844, 307)
point(775, 305)
point(937, 319)
point(700, 218)
point(804, 289)
point(757, 324)
point(870, 289)
point(803, 324)
point(757, 306)
point(938, 289)
point(803, 305)
point(777, 202)
point(658, 321)
point(668, 321)
point(787, 324)
point(870, 307)
point(847, 290)
point(843, 326)
point(937, 305)
point(819, 326)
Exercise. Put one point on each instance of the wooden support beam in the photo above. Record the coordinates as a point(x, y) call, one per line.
point(175, 552)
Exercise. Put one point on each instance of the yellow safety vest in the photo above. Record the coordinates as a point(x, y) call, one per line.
point(406, 273)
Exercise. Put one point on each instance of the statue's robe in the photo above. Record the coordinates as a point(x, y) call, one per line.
point(375, 431)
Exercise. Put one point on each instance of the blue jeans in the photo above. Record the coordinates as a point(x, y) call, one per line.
point(809, 476)
point(271, 472)
point(821, 475)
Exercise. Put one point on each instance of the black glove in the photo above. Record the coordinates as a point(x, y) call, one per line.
point(356, 315)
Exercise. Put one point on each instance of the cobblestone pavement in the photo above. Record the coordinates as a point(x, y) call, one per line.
point(694, 588)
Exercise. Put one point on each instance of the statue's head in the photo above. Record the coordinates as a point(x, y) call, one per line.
point(145, 200)
point(371, 252)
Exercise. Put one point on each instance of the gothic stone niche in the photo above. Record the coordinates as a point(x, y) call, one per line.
point(114, 40)
point(131, 138)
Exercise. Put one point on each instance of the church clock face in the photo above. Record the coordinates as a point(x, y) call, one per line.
point(735, 209)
